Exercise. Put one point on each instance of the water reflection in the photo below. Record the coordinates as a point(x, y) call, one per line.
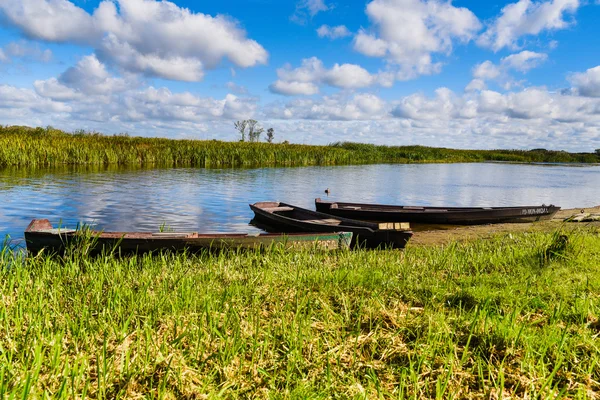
point(217, 200)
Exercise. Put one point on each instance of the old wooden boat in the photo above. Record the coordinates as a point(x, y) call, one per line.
point(436, 215)
point(282, 217)
point(41, 235)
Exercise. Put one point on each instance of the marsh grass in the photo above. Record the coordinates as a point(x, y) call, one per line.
point(486, 319)
point(24, 146)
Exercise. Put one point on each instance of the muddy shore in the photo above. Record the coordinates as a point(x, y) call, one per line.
point(438, 237)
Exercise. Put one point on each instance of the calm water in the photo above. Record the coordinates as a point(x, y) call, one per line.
point(217, 200)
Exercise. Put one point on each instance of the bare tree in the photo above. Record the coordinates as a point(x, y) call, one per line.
point(240, 126)
point(270, 135)
point(254, 130)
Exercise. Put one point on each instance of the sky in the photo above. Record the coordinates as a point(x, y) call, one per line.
point(462, 74)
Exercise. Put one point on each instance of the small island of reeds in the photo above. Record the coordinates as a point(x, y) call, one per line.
point(42, 147)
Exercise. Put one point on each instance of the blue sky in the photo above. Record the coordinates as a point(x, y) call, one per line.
point(463, 74)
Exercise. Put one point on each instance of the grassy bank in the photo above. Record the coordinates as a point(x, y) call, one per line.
point(22, 146)
point(512, 316)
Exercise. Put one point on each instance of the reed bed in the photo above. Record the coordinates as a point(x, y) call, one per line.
point(24, 146)
point(514, 316)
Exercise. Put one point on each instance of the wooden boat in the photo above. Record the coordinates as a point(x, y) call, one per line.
point(436, 215)
point(41, 235)
point(284, 217)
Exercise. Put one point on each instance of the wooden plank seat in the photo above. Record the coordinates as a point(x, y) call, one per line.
point(275, 209)
point(328, 221)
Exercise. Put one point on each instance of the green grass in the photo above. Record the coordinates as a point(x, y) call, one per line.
point(23, 146)
point(514, 316)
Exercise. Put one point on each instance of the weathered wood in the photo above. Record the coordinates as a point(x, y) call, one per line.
point(41, 235)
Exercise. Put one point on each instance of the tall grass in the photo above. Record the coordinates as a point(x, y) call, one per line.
point(515, 316)
point(23, 146)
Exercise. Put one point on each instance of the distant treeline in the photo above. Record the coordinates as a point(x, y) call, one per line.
point(24, 146)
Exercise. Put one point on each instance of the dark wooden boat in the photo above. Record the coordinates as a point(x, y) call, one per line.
point(436, 215)
point(282, 217)
point(41, 235)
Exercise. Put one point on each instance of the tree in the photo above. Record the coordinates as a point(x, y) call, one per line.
point(598, 152)
point(270, 135)
point(254, 130)
point(240, 126)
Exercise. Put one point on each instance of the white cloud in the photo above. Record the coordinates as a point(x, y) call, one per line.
point(475, 85)
point(528, 118)
point(408, 32)
point(348, 76)
point(315, 6)
point(19, 99)
point(91, 77)
point(524, 18)
point(294, 88)
point(521, 62)
point(51, 20)
point(306, 79)
point(361, 106)
point(333, 32)
point(486, 70)
point(54, 90)
point(445, 105)
point(587, 83)
point(156, 38)
point(88, 77)
point(127, 57)
point(524, 61)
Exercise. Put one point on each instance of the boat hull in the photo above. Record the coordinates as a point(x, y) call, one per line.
point(40, 235)
point(366, 234)
point(437, 215)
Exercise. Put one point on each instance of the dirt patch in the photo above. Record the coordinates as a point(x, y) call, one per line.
point(443, 236)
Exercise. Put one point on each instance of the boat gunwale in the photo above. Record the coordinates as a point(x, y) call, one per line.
point(386, 208)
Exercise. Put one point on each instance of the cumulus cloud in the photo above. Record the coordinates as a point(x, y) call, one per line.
point(88, 77)
point(156, 38)
point(487, 70)
point(408, 32)
point(587, 83)
point(333, 32)
point(306, 79)
point(526, 17)
point(20, 100)
point(293, 88)
point(524, 61)
point(88, 93)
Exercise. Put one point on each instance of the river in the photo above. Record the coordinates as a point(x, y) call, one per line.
point(216, 200)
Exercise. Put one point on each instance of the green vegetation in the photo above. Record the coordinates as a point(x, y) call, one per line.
point(514, 316)
point(21, 146)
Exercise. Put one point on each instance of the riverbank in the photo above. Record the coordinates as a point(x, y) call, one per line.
point(472, 232)
point(512, 315)
point(43, 147)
